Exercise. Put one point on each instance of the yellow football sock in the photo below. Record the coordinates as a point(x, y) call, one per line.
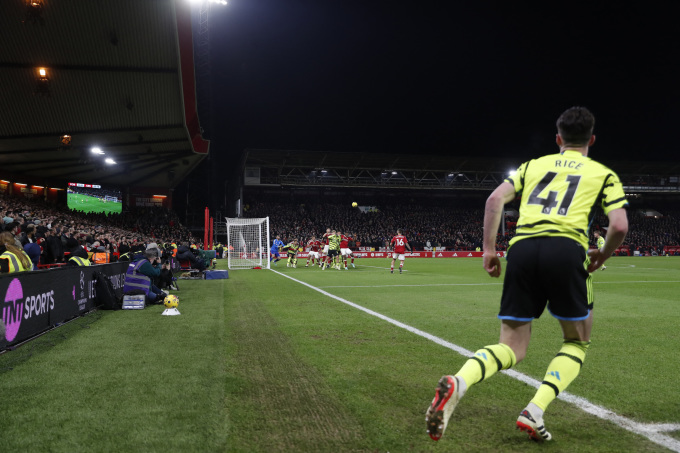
point(486, 362)
point(561, 372)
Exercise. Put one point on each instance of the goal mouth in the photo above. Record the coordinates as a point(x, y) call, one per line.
point(248, 243)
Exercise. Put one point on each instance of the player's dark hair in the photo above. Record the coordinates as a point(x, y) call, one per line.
point(576, 125)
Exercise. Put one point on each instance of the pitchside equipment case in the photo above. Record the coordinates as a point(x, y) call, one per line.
point(215, 275)
point(134, 301)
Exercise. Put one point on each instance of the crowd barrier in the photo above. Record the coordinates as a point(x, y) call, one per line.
point(37, 301)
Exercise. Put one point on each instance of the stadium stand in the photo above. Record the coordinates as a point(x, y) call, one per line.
point(455, 224)
point(128, 90)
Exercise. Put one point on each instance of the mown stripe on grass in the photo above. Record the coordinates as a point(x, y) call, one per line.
point(486, 284)
point(284, 401)
point(650, 431)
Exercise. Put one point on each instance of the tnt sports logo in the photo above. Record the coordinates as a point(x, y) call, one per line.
point(13, 309)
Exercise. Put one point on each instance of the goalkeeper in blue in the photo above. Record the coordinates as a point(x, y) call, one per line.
point(275, 250)
point(292, 249)
point(547, 267)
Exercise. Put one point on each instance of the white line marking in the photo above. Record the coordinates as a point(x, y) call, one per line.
point(377, 267)
point(651, 431)
point(395, 286)
point(633, 266)
point(484, 284)
point(639, 281)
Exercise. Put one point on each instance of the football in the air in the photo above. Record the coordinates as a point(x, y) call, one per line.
point(171, 301)
point(355, 204)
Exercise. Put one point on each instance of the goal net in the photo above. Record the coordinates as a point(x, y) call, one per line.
point(109, 198)
point(248, 243)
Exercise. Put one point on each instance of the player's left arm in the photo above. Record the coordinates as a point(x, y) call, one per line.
point(493, 212)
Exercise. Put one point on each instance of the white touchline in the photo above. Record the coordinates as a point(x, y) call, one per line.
point(650, 431)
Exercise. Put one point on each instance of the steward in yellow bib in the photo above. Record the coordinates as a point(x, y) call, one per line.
point(12, 258)
point(78, 261)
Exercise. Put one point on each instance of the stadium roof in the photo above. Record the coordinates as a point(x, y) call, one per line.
point(118, 76)
point(420, 171)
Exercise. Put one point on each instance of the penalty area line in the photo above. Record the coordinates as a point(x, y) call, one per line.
point(482, 284)
point(378, 267)
point(652, 431)
point(418, 286)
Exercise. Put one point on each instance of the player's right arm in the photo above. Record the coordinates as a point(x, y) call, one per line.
point(618, 228)
point(492, 220)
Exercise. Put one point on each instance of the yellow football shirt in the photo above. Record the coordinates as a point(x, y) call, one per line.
point(560, 194)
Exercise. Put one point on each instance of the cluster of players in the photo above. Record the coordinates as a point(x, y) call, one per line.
point(333, 251)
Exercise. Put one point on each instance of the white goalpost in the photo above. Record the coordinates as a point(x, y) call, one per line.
point(247, 243)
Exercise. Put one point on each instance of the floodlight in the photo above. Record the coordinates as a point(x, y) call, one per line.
point(512, 172)
point(96, 150)
point(109, 161)
point(43, 82)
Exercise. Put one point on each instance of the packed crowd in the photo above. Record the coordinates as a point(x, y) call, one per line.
point(456, 228)
point(651, 234)
point(426, 223)
point(58, 230)
point(432, 224)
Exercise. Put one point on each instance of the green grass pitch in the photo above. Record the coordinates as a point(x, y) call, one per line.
point(262, 363)
point(86, 203)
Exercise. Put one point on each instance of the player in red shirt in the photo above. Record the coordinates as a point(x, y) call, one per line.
point(345, 250)
point(314, 247)
point(398, 244)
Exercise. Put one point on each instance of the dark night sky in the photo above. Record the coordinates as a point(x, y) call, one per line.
point(468, 78)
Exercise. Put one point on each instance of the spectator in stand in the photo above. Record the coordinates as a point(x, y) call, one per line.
point(13, 229)
point(33, 251)
point(28, 235)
